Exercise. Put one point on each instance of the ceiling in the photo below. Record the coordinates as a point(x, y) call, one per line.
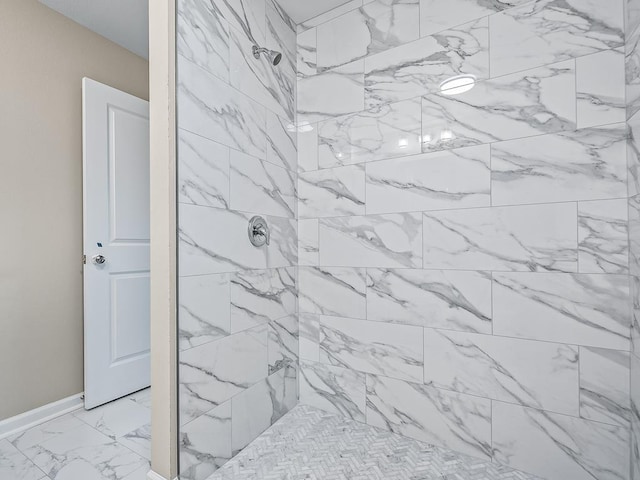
point(126, 23)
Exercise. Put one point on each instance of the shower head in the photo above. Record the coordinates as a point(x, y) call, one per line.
point(273, 56)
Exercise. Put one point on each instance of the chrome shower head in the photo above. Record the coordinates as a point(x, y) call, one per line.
point(273, 56)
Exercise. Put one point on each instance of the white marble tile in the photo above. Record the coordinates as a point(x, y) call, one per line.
point(446, 419)
point(309, 344)
point(261, 187)
point(588, 164)
point(632, 15)
point(634, 235)
point(449, 179)
point(430, 298)
point(419, 67)
point(205, 443)
point(283, 343)
point(117, 418)
point(203, 171)
point(632, 68)
point(537, 374)
point(281, 32)
point(603, 236)
point(260, 296)
point(15, 466)
point(547, 31)
point(257, 408)
point(307, 147)
point(600, 88)
point(246, 16)
point(85, 453)
point(281, 142)
point(333, 389)
point(343, 40)
point(438, 15)
point(138, 441)
point(333, 291)
point(212, 373)
point(204, 314)
point(633, 155)
point(635, 417)
point(307, 53)
point(372, 347)
point(308, 251)
point(45, 431)
point(331, 93)
point(383, 132)
point(532, 237)
point(524, 104)
point(579, 309)
point(559, 447)
point(211, 108)
point(330, 15)
point(332, 192)
point(203, 36)
point(634, 287)
point(604, 386)
point(392, 240)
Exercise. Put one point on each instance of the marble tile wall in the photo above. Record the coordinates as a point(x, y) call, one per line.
point(237, 157)
point(465, 261)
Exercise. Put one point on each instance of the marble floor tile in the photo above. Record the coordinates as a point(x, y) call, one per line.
point(14, 465)
point(116, 419)
point(138, 441)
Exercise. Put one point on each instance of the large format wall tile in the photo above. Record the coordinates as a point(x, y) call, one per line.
point(247, 16)
point(392, 240)
point(333, 389)
point(537, 374)
point(213, 109)
point(430, 298)
point(589, 164)
point(632, 69)
point(447, 419)
point(434, 181)
point(307, 53)
point(281, 142)
point(533, 237)
point(524, 104)
point(308, 242)
point(547, 31)
point(419, 67)
point(372, 347)
point(309, 340)
point(332, 192)
point(579, 309)
point(383, 132)
point(333, 291)
point(559, 447)
point(283, 343)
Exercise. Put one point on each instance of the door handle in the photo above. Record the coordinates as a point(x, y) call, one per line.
point(98, 259)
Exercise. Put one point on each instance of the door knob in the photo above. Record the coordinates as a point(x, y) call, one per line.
point(98, 259)
point(259, 233)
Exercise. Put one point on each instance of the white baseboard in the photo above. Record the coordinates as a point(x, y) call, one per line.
point(154, 476)
point(40, 415)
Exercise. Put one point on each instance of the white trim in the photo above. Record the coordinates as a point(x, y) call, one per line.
point(155, 476)
point(39, 415)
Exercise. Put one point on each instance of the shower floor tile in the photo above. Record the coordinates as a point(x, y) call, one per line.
point(309, 444)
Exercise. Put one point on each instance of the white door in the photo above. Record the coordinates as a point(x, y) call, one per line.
point(116, 243)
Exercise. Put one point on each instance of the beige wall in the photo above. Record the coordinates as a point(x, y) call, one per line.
point(43, 57)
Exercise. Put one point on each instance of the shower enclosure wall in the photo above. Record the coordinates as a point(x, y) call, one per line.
point(453, 268)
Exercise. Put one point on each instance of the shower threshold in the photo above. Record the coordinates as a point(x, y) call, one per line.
point(310, 444)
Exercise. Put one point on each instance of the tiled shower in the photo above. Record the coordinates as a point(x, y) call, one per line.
point(460, 269)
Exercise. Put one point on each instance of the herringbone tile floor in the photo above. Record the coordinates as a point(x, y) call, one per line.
point(309, 444)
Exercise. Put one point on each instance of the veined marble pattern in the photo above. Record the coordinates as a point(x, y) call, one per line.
point(14, 464)
point(283, 343)
point(215, 110)
point(419, 67)
point(578, 309)
point(307, 53)
point(524, 104)
point(383, 132)
point(246, 16)
point(333, 291)
point(559, 447)
point(633, 155)
point(203, 176)
point(372, 347)
point(309, 340)
point(307, 147)
point(330, 15)
point(203, 36)
point(431, 181)
point(392, 240)
point(308, 250)
point(524, 238)
point(632, 69)
point(332, 192)
point(588, 164)
point(258, 186)
point(281, 142)
point(260, 296)
point(332, 93)
point(446, 419)
point(600, 88)
point(377, 26)
point(634, 235)
point(430, 298)
point(537, 374)
point(603, 236)
point(333, 389)
point(547, 31)
point(604, 386)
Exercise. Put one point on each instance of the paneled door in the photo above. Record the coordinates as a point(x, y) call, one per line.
point(116, 243)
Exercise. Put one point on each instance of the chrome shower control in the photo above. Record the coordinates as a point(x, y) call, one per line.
point(259, 233)
point(98, 259)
